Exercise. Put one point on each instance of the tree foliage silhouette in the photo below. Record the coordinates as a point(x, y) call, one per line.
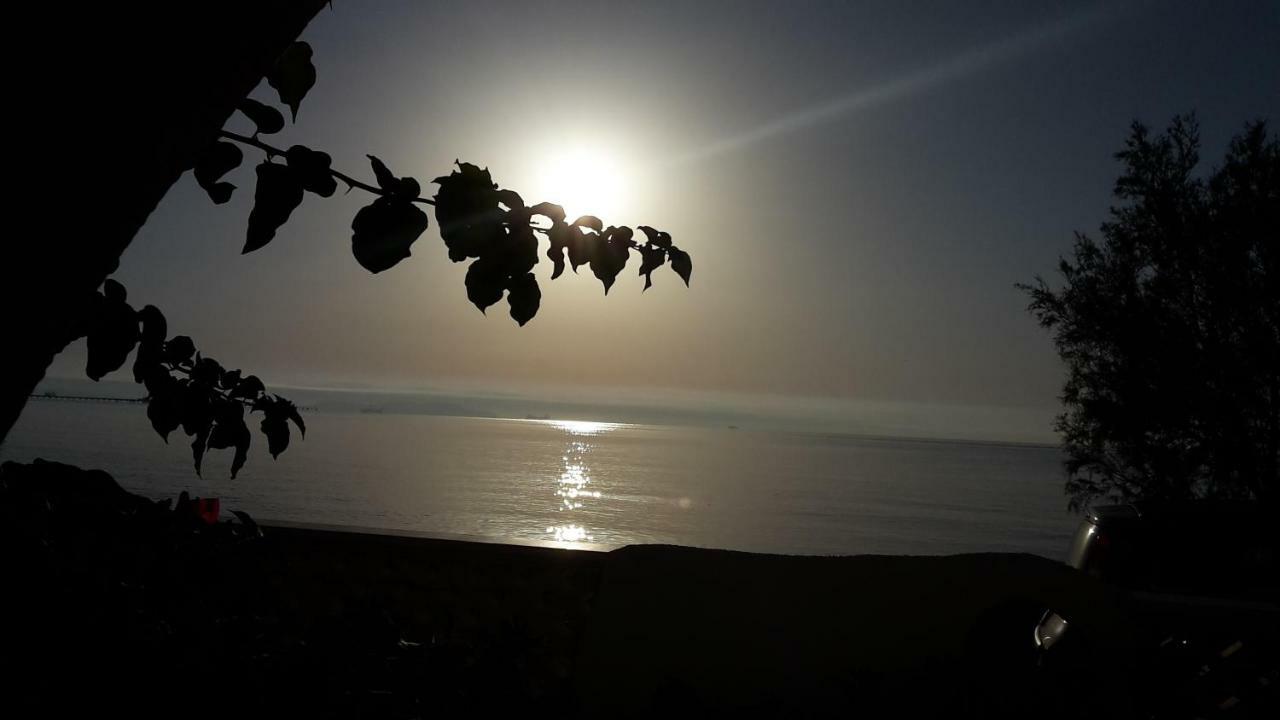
point(478, 221)
point(1170, 326)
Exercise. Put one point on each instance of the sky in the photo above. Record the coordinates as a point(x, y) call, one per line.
point(860, 185)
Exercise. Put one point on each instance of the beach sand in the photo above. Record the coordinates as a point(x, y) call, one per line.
point(114, 601)
point(649, 630)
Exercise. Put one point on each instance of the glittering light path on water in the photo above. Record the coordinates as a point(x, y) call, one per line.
point(572, 488)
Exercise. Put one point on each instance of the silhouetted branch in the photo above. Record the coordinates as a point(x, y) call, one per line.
point(185, 389)
point(273, 151)
point(477, 220)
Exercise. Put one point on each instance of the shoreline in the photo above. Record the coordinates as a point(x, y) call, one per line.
point(288, 525)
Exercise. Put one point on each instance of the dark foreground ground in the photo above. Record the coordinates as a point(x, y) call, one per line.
point(115, 603)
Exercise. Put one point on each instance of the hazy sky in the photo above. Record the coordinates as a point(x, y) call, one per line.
point(859, 183)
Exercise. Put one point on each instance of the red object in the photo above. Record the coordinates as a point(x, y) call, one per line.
point(208, 509)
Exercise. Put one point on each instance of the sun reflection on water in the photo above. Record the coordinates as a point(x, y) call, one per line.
point(569, 533)
point(572, 487)
point(583, 427)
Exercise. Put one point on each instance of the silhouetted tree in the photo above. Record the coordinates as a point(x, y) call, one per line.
point(1170, 326)
point(123, 98)
point(478, 221)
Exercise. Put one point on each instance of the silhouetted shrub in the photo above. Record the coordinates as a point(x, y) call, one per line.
point(1170, 326)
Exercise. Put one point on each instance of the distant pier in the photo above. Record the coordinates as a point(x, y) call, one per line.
point(127, 401)
point(87, 398)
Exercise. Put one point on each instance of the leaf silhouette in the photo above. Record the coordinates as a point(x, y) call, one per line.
point(279, 191)
point(409, 188)
point(312, 169)
point(657, 238)
point(291, 412)
point(156, 379)
point(385, 178)
point(511, 199)
point(198, 445)
point(164, 409)
point(560, 235)
point(195, 409)
point(383, 231)
point(582, 246)
point(206, 372)
point(681, 263)
point(218, 160)
point(468, 213)
point(225, 416)
point(590, 221)
point(405, 188)
point(549, 210)
point(465, 189)
point(651, 258)
point(524, 296)
point(154, 327)
point(277, 412)
point(179, 349)
point(249, 388)
point(273, 426)
point(113, 331)
point(265, 118)
point(229, 379)
point(611, 254)
point(293, 75)
point(150, 342)
point(485, 281)
point(230, 431)
point(277, 431)
point(520, 249)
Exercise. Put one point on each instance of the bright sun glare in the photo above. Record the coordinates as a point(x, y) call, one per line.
point(585, 181)
point(583, 427)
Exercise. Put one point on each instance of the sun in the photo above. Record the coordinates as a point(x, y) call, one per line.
point(584, 180)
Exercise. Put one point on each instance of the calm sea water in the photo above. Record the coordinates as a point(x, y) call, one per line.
point(586, 482)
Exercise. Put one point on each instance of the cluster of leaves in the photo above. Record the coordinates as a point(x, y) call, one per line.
point(477, 220)
point(1170, 327)
point(280, 184)
point(382, 232)
point(184, 389)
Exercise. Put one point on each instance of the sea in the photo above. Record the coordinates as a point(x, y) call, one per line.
point(591, 484)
